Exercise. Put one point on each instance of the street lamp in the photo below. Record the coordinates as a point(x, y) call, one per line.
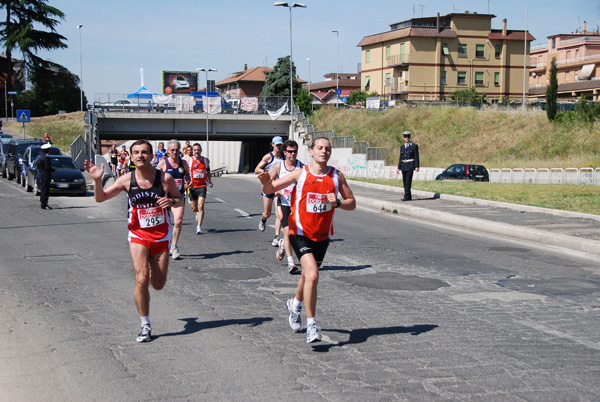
point(525, 55)
point(337, 74)
point(284, 4)
point(205, 104)
point(80, 71)
point(309, 93)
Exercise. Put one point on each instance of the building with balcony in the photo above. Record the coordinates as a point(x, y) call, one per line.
point(430, 58)
point(577, 58)
point(323, 93)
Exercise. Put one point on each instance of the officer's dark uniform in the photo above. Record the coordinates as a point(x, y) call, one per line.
point(409, 160)
point(45, 169)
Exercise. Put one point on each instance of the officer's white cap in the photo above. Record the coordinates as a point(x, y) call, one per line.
point(46, 146)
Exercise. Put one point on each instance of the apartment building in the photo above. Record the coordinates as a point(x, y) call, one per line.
point(430, 58)
point(577, 57)
point(324, 92)
point(249, 82)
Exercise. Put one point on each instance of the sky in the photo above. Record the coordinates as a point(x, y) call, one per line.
point(119, 37)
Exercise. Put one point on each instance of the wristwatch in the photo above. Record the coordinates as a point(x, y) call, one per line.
point(339, 202)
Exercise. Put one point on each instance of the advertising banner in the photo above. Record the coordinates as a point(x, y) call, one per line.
point(179, 82)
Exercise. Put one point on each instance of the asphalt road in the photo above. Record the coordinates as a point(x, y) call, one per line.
point(408, 310)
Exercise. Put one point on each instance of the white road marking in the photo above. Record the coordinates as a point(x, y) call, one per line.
point(243, 213)
point(220, 200)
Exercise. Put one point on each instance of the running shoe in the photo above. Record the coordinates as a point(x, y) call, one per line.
point(199, 230)
point(275, 242)
point(280, 251)
point(171, 250)
point(292, 268)
point(262, 226)
point(145, 334)
point(312, 333)
point(295, 318)
point(175, 252)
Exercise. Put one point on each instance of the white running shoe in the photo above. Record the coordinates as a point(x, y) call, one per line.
point(145, 334)
point(295, 318)
point(275, 242)
point(261, 226)
point(312, 333)
point(199, 230)
point(292, 268)
point(171, 250)
point(175, 254)
point(280, 251)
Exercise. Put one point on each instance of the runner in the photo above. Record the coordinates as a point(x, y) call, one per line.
point(150, 193)
point(290, 151)
point(114, 159)
point(311, 224)
point(266, 163)
point(200, 172)
point(178, 169)
point(161, 152)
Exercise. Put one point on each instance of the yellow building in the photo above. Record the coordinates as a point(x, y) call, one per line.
point(430, 58)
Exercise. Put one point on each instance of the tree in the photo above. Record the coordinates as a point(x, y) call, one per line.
point(304, 101)
point(467, 96)
point(23, 31)
point(359, 97)
point(552, 92)
point(53, 89)
point(277, 82)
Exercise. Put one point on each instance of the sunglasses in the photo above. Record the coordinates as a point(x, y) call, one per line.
point(291, 151)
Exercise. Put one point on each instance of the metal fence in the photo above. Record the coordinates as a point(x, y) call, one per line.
point(377, 154)
point(343, 142)
point(360, 147)
point(79, 151)
point(324, 133)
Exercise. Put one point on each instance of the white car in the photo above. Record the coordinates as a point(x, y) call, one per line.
point(180, 82)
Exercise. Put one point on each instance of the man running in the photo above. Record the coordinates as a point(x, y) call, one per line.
point(161, 152)
point(267, 163)
point(311, 224)
point(200, 172)
point(150, 193)
point(291, 163)
point(178, 169)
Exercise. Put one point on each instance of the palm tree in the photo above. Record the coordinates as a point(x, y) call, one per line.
point(18, 32)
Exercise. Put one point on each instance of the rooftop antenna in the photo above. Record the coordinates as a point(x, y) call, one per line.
point(415, 7)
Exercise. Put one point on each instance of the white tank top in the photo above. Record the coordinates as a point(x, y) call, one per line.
point(287, 192)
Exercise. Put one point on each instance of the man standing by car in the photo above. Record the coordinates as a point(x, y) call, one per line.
point(44, 167)
point(408, 164)
point(150, 192)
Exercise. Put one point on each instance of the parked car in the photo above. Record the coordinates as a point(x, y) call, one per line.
point(180, 82)
point(67, 178)
point(4, 135)
point(465, 172)
point(3, 147)
point(14, 154)
point(28, 165)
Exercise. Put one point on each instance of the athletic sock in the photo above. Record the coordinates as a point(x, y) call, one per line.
point(263, 220)
point(296, 304)
point(290, 260)
point(145, 320)
point(311, 321)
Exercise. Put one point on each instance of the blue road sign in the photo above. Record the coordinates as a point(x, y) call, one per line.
point(344, 99)
point(12, 92)
point(23, 116)
point(338, 91)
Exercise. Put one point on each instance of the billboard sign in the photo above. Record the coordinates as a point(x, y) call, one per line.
point(179, 82)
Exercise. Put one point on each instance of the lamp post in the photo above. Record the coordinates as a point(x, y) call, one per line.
point(205, 104)
point(309, 93)
point(284, 4)
point(80, 71)
point(337, 74)
point(525, 55)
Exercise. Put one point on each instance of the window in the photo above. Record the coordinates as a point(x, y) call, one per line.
point(445, 50)
point(388, 79)
point(497, 79)
point(479, 78)
point(366, 82)
point(462, 50)
point(479, 51)
point(368, 56)
point(443, 78)
point(402, 50)
point(388, 52)
point(553, 43)
point(498, 51)
point(462, 78)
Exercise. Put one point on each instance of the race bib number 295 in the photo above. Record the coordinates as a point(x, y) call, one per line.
point(151, 217)
point(317, 203)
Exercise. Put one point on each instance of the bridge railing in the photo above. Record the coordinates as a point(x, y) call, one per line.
point(180, 103)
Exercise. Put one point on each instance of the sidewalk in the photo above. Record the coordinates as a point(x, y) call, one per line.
point(571, 230)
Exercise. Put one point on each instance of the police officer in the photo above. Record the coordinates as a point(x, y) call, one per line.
point(408, 163)
point(45, 173)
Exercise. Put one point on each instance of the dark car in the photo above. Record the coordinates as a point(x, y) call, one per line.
point(14, 153)
point(67, 178)
point(3, 147)
point(28, 165)
point(465, 172)
point(4, 135)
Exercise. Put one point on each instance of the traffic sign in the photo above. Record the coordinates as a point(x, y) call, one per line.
point(338, 91)
point(12, 92)
point(23, 116)
point(90, 116)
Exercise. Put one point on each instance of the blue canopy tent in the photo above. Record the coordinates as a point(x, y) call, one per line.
point(143, 92)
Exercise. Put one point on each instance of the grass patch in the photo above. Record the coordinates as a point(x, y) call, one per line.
point(567, 197)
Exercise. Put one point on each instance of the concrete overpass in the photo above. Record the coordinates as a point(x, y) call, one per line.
point(183, 126)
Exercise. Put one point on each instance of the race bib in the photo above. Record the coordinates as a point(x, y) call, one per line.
point(179, 184)
point(199, 173)
point(150, 217)
point(317, 203)
point(287, 195)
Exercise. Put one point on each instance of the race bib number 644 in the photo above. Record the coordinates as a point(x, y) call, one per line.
point(317, 203)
